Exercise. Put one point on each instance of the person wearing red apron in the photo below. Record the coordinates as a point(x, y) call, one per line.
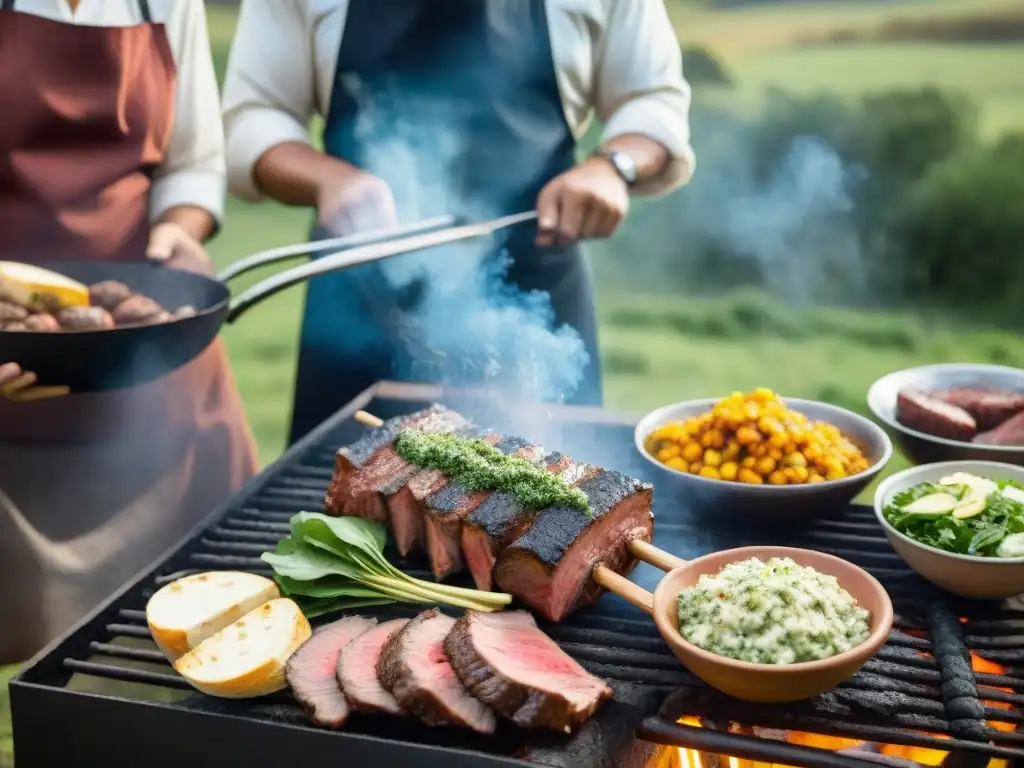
point(107, 152)
point(466, 107)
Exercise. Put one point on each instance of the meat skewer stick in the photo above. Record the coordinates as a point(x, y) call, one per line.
point(606, 577)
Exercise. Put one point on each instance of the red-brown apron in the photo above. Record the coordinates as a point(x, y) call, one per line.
point(95, 487)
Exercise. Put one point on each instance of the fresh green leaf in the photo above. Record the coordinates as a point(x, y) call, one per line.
point(365, 535)
point(307, 563)
point(331, 564)
point(312, 607)
point(328, 586)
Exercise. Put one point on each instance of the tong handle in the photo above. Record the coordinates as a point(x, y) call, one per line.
point(366, 254)
point(274, 255)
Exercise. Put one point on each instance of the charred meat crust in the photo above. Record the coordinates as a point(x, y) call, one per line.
point(548, 568)
point(539, 705)
point(556, 529)
point(399, 674)
point(364, 456)
point(447, 507)
point(501, 519)
point(310, 672)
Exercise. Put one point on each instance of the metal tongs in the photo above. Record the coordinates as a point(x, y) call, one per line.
point(361, 248)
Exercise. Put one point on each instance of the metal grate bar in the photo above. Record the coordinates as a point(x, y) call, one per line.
point(123, 652)
point(126, 674)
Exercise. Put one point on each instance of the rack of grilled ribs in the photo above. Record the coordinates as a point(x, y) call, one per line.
point(544, 557)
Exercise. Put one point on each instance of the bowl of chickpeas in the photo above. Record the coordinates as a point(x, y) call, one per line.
point(756, 453)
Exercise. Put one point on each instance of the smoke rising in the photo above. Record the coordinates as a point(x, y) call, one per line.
point(463, 324)
point(789, 225)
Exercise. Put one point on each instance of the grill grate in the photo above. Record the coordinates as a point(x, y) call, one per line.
point(118, 695)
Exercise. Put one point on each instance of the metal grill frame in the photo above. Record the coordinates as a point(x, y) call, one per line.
point(112, 731)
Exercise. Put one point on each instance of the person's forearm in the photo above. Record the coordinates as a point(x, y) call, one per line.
point(197, 222)
point(651, 157)
point(294, 173)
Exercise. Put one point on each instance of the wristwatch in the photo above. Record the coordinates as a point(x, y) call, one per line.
point(621, 162)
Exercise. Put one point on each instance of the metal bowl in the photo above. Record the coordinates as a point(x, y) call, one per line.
point(921, 448)
point(964, 575)
point(774, 503)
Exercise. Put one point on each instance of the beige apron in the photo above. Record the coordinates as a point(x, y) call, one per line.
point(93, 488)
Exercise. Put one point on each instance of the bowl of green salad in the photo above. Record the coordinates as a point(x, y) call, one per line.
point(958, 524)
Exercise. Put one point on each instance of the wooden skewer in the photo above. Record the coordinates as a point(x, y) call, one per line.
point(368, 419)
point(607, 578)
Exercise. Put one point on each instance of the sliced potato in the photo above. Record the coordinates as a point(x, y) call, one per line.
point(38, 289)
point(247, 658)
point(185, 612)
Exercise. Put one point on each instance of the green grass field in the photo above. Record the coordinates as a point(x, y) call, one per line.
point(675, 349)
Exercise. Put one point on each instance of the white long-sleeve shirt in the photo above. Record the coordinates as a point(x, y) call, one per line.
point(618, 59)
point(193, 170)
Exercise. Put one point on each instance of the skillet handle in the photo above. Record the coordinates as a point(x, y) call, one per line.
point(274, 255)
point(625, 589)
point(659, 558)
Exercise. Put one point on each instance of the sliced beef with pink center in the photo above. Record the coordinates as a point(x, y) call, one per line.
point(501, 519)
point(505, 661)
point(369, 470)
point(446, 509)
point(415, 669)
point(549, 567)
point(310, 671)
point(357, 670)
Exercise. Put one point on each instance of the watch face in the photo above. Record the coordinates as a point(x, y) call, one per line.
point(625, 166)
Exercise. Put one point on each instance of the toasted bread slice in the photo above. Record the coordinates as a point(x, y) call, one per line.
point(38, 289)
point(247, 658)
point(185, 612)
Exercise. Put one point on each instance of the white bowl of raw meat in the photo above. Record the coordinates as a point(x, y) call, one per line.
point(953, 412)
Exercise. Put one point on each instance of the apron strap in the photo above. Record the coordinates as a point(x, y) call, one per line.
point(7, 5)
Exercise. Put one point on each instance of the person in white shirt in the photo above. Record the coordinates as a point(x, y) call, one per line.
point(501, 90)
point(111, 149)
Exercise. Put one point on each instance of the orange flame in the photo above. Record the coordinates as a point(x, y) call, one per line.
point(690, 758)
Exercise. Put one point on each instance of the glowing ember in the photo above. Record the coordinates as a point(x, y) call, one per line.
point(691, 758)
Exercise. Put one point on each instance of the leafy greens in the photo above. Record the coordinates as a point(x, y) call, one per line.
point(330, 564)
point(979, 535)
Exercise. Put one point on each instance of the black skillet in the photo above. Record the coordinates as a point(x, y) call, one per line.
point(93, 361)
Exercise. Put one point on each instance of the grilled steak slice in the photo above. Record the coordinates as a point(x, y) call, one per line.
point(369, 469)
point(932, 416)
point(447, 508)
point(407, 506)
point(501, 519)
point(990, 408)
point(414, 668)
point(1010, 433)
point(505, 661)
point(310, 671)
point(357, 670)
point(548, 568)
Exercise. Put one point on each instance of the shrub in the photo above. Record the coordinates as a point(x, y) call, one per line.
point(959, 233)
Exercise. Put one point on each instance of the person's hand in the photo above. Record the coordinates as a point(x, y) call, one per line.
point(356, 201)
point(587, 201)
point(170, 244)
point(20, 386)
